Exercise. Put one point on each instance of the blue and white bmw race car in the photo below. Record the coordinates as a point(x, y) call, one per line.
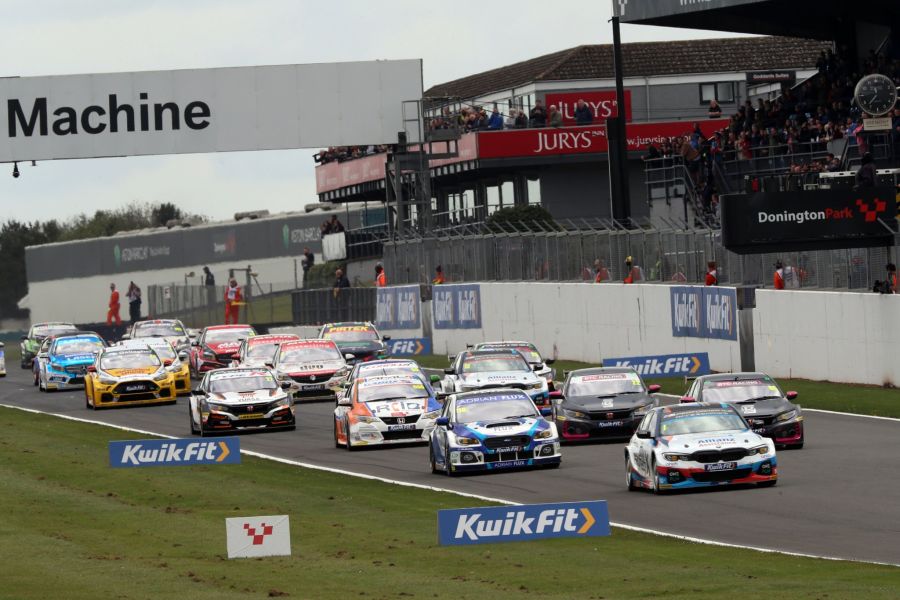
point(65, 362)
point(499, 368)
point(490, 430)
point(697, 445)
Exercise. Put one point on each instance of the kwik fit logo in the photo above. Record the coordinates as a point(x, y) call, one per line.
point(159, 453)
point(521, 523)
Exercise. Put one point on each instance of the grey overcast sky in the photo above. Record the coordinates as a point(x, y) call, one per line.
point(51, 37)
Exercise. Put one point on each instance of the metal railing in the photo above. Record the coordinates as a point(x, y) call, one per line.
point(317, 307)
point(201, 305)
point(665, 256)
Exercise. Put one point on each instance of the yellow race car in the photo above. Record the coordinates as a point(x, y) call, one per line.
point(125, 376)
point(175, 362)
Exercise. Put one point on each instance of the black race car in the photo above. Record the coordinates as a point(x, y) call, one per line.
point(601, 403)
point(767, 409)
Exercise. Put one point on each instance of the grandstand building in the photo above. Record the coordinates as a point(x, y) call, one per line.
point(670, 88)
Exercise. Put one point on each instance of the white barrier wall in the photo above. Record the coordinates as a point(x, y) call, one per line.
point(85, 300)
point(846, 337)
point(586, 322)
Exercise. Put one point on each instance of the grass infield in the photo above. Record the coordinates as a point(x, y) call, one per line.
point(75, 528)
point(841, 397)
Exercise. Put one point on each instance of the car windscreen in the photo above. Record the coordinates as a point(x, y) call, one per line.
point(79, 345)
point(42, 331)
point(263, 351)
point(249, 383)
point(311, 353)
point(387, 370)
point(129, 360)
point(739, 391)
point(604, 384)
point(159, 330)
point(529, 352)
point(390, 391)
point(501, 362)
point(700, 422)
point(217, 336)
point(359, 333)
point(494, 408)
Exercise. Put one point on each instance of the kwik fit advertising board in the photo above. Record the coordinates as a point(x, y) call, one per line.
point(704, 312)
point(457, 306)
point(808, 220)
point(398, 308)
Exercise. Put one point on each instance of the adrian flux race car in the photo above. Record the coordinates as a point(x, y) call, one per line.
point(260, 350)
point(316, 366)
point(359, 339)
point(391, 366)
point(601, 403)
point(387, 409)
point(486, 369)
point(31, 342)
point(767, 409)
point(126, 376)
point(241, 398)
point(697, 445)
point(66, 360)
point(490, 430)
point(216, 347)
point(175, 362)
point(540, 366)
point(171, 330)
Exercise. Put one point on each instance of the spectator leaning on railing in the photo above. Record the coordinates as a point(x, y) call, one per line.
point(555, 117)
point(583, 113)
point(538, 115)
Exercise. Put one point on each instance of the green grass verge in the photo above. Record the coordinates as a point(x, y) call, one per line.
point(74, 528)
point(842, 397)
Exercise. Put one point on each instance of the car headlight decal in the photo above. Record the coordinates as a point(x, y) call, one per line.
point(574, 414)
point(543, 435)
point(674, 457)
point(467, 441)
point(763, 449)
point(786, 416)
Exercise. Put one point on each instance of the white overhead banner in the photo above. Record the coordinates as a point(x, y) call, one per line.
point(205, 110)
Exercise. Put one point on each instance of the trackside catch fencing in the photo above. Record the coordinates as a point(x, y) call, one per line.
point(317, 307)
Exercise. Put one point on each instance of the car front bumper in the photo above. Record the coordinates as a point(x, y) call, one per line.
point(480, 458)
point(574, 430)
point(695, 475)
point(282, 416)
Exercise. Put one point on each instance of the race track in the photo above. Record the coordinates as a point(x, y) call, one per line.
point(835, 498)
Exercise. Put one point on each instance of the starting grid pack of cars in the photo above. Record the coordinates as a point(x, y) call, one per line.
point(497, 406)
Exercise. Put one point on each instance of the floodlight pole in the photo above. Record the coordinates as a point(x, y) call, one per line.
point(620, 198)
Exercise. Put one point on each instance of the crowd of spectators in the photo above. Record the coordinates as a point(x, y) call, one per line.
point(476, 118)
point(342, 153)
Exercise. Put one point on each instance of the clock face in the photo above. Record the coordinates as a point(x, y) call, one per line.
point(876, 94)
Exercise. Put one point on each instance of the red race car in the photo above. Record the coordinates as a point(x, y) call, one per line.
point(216, 347)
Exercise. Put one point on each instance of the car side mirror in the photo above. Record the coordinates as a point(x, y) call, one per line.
point(451, 357)
point(644, 435)
point(91, 369)
point(536, 367)
point(126, 336)
point(344, 401)
point(546, 411)
point(287, 385)
point(435, 379)
point(236, 355)
point(449, 371)
point(686, 399)
point(195, 342)
point(791, 395)
point(24, 337)
point(386, 338)
point(652, 389)
point(349, 356)
point(182, 355)
point(556, 395)
point(168, 362)
point(42, 355)
point(270, 364)
point(549, 361)
point(442, 422)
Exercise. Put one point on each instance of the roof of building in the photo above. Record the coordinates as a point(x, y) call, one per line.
point(643, 59)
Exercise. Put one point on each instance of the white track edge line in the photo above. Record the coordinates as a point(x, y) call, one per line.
point(431, 488)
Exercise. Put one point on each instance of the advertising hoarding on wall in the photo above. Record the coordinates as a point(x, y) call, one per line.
point(704, 312)
point(808, 220)
point(456, 306)
point(603, 104)
point(398, 307)
point(206, 110)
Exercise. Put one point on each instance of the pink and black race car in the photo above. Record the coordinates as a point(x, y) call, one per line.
point(216, 347)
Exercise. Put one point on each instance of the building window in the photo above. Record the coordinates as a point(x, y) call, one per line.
point(720, 92)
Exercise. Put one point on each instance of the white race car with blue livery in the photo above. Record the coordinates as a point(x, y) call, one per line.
point(698, 445)
point(65, 362)
point(492, 430)
point(474, 370)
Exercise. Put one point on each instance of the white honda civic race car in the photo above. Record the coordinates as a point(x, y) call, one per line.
point(697, 445)
point(238, 399)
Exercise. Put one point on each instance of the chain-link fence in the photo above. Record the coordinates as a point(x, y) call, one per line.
point(202, 305)
point(317, 307)
point(664, 256)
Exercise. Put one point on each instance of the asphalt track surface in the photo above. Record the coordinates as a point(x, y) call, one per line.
point(839, 497)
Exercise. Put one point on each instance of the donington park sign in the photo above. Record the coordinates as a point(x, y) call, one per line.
point(205, 110)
